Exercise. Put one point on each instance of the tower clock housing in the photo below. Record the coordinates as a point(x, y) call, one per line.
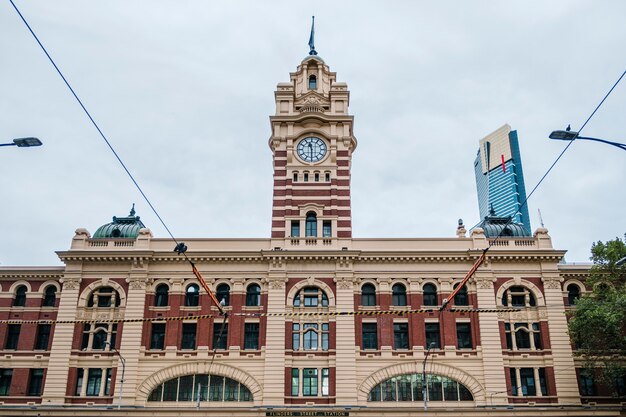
point(312, 144)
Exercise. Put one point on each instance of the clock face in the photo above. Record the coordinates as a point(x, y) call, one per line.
point(311, 149)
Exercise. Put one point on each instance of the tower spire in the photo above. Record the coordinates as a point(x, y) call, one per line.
point(312, 38)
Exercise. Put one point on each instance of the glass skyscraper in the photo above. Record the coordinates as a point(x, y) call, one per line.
point(500, 178)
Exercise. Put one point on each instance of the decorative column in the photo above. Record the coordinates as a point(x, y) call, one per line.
point(274, 370)
point(346, 350)
point(562, 355)
point(58, 366)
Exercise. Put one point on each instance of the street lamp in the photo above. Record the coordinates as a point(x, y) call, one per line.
point(119, 405)
point(570, 135)
point(23, 142)
point(424, 391)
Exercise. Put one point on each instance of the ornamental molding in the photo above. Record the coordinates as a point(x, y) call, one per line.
point(344, 283)
point(70, 283)
point(552, 283)
point(137, 283)
point(484, 283)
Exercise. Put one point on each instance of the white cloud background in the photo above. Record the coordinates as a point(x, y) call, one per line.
point(183, 90)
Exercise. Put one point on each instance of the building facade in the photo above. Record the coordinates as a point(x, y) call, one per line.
point(318, 323)
point(500, 177)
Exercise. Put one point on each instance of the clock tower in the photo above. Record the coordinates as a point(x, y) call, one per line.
point(312, 144)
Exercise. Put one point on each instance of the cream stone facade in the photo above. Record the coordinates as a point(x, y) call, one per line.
point(318, 323)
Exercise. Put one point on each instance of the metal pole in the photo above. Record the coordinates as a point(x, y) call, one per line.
point(123, 361)
point(424, 390)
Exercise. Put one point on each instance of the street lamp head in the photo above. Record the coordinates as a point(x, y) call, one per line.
point(27, 142)
point(563, 135)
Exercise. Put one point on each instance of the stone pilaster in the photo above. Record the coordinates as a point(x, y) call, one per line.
point(61, 349)
point(131, 338)
point(493, 363)
point(346, 389)
point(563, 361)
point(274, 371)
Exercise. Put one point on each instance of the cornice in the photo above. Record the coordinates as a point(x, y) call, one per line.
point(31, 272)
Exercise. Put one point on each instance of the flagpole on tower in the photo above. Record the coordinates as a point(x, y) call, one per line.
point(312, 38)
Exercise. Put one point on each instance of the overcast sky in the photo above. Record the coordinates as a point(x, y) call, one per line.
point(184, 89)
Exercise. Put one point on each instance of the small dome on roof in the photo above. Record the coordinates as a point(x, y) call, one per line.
point(121, 227)
point(495, 226)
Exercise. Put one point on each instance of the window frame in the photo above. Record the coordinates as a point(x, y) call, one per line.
point(368, 297)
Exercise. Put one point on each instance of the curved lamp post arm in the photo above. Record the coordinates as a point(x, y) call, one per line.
point(571, 135)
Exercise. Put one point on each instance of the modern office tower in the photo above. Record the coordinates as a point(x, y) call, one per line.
point(500, 178)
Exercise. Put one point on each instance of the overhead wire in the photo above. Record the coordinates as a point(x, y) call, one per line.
point(524, 203)
point(119, 159)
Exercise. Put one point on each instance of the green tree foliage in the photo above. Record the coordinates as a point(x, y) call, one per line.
point(597, 325)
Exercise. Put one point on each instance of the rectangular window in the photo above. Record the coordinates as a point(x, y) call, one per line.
point(220, 341)
point(189, 336)
point(404, 388)
point(5, 381)
point(464, 335)
point(13, 336)
point(325, 381)
point(251, 336)
point(513, 381)
point(522, 336)
point(543, 384)
point(537, 335)
point(587, 386)
point(185, 388)
point(157, 338)
point(306, 177)
point(80, 373)
point(400, 335)
point(310, 336)
point(370, 336)
point(295, 228)
point(309, 382)
point(432, 336)
point(295, 177)
point(295, 336)
point(325, 336)
point(435, 392)
point(94, 380)
point(35, 382)
point(527, 381)
point(216, 388)
point(43, 337)
point(507, 333)
point(295, 382)
point(327, 177)
point(327, 228)
point(317, 177)
point(107, 382)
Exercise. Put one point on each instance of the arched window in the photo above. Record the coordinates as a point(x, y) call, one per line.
point(461, 298)
point(104, 297)
point(311, 224)
point(398, 295)
point(201, 387)
point(430, 295)
point(573, 294)
point(310, 297)
point(50, 296)
point(222, 293)
point(518, 296)
point(253, 295)
point(192, 295)
point(312, 82)
point(409, 387)
point(368, 295)
point(20, 296)
point(161, 295)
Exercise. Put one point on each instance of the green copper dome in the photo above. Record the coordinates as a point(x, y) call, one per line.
point(121, 227)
